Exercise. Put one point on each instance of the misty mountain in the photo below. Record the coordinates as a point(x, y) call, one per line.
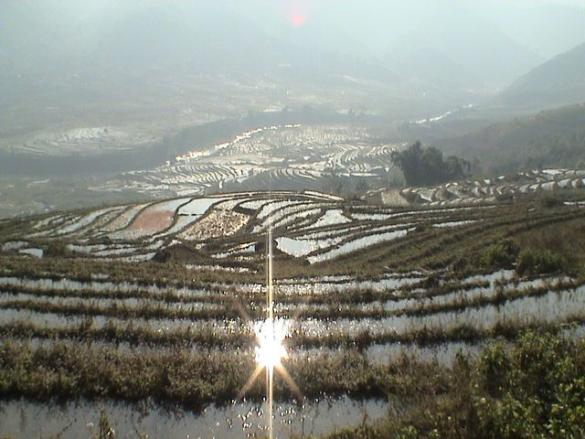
point(152, 38)
point(97, 63)
point(435, 50)
point(547, 28)
point(219, 42)
point(69, 65)
point(50, 40)
point(559, 81)
point(554, 138)
point(433, 66)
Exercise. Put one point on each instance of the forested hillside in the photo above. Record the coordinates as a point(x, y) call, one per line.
point(549, 138)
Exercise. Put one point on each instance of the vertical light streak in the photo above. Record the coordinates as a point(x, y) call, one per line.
point(270, 319)
point(270, 297)
point(269, 337)
point(270, 371)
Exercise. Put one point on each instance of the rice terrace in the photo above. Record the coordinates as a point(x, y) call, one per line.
point(156, 304)
point(292, 219)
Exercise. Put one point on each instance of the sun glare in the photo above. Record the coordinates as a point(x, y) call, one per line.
point(298, 20)
point(270, 335)
point(270, 350)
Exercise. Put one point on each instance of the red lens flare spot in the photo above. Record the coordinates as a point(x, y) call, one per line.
point(297, 20)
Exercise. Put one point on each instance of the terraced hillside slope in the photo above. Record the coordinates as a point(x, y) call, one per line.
point(280, 157)
point(282, 150)
point(505, 187)
point(230, 229)
point(156, 305)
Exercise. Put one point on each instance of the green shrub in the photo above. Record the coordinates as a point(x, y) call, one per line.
point(544, 262)
point(492, 370)
point(533, 389)
point(500, 255)
point(56, 249)
point(550, 201)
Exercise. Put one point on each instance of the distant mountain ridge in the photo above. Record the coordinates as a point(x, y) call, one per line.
point(559, 81)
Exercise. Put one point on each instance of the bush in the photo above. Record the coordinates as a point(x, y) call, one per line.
point(500, 255)
point(549, 201)
point(533, 389)
point(492, 370)
point(544, 262)
point(57, 249)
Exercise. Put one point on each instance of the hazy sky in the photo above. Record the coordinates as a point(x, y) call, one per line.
point(497, 39)
point(545, 26)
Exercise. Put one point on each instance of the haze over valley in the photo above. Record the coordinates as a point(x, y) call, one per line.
point(337, 219)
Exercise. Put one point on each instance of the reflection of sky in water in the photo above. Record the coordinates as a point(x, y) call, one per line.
point(551, 307)
point(548, 308)
point(25, 419)
point(303, 286)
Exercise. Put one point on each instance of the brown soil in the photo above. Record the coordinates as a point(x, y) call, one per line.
point(153, 220)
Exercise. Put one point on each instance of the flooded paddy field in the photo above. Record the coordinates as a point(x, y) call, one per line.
point(147, 319)
point(237, 420)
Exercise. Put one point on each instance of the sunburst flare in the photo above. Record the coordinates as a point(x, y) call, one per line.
point(270, 347)
point(270, 335)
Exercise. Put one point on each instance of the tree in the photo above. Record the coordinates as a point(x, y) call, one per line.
point(426, 166)
point(57, 249)
point(333, 182)
point(362, 186)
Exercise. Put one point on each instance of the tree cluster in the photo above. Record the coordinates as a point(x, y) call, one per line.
point(427, 167)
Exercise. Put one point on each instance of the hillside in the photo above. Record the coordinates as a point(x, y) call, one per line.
point(559, 81)
point(161, 305)
point(547, 139)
